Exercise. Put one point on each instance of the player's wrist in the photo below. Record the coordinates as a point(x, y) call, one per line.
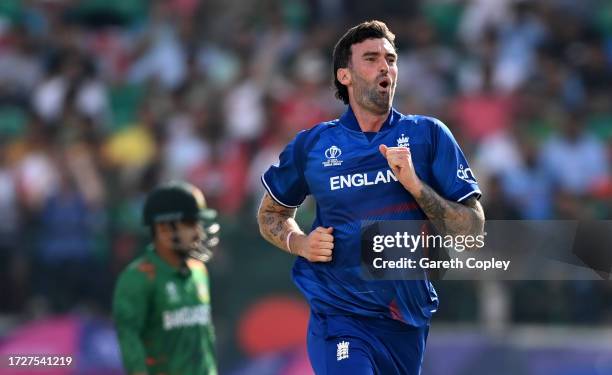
point(288, 241)
point(414, 187)
point(292, 242)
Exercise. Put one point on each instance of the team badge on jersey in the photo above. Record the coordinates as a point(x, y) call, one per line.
point(403, 141)
point(332, 154)
point(172, 292)
point(342, 350)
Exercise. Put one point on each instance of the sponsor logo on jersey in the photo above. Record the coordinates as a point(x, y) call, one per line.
point(361, 179)
point(332, 154)
point(466, 174)
point(172, 292)
point(403, 141)
point(188, 316)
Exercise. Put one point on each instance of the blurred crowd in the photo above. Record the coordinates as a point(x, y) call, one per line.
point(101, 99)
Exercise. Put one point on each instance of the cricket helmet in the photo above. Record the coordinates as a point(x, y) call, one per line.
point(177, 201)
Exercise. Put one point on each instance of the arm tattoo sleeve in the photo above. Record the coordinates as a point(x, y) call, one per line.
point(276, 222)
point(450, 217)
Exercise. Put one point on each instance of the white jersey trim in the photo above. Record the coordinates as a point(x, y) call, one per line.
point(263, 180)
point(469, 194)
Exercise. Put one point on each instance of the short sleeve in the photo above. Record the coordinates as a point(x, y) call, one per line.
point(285, 181)
point(454, 177)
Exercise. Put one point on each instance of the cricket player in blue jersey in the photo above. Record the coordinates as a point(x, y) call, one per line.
point(373, 163)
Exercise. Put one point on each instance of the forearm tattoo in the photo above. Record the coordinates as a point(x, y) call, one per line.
point(276, 222)
point(450, 217)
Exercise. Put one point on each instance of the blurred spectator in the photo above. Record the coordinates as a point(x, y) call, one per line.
point(37, 172)
point(13, 263)
point(496, 204)
point(20, 67)
point(222, 174)
point(426, 65)
point(71, 85)
point(527, 186)
point(573, 159)
point(305, 100)
point(184, 148)
point(556, 79)
point(243, 107)
point(9, 205)
point(266, 155)
point(519, 38)
point(162, 57)
point(480, 15)
point(484, 112)
point(510, 160)
point(67, 240)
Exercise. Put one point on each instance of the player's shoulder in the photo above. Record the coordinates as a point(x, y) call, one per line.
point(429, 127)
point(421, 121)
point(317, 130)
point(141, 268)
point(308, 137)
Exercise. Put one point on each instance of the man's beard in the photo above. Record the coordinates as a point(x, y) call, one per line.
point(369, 97)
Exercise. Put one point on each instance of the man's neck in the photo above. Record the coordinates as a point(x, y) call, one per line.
point(368, 121)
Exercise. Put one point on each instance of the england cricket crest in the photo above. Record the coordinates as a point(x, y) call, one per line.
point(342, 350)
point(403, 141)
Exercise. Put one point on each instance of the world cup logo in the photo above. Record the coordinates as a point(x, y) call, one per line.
point(333, 152)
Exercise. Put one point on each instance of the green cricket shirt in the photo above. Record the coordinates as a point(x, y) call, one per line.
point(163, 318)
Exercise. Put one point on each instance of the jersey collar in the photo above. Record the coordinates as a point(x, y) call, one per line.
point(162, 264)
point(349, 120)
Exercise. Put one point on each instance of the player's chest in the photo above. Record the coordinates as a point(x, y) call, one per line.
point(349, 167)
point(180, 304)
point(174, 292)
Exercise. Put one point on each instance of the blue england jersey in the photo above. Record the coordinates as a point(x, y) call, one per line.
point(342, 168)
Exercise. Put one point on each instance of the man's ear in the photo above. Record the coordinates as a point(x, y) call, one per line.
point(343, 75)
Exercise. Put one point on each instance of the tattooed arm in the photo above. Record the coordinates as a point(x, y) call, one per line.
point(277, 222)
point(448, 217)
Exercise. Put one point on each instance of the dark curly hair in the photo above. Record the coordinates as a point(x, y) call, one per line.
point(342, 49)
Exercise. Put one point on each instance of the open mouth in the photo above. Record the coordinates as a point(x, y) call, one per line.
point(384, 84)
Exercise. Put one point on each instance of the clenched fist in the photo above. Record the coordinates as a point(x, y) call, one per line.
point(317, 246)
point(400, 161)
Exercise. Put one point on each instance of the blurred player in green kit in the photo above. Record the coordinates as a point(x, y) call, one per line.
point(161, 304)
